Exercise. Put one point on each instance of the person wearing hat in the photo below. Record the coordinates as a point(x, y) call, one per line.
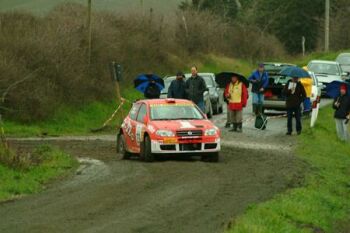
point(295, 95)
point(341, 105)
point(259, 80)
point(177, 88)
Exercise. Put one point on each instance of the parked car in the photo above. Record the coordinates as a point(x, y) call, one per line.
point(168, 126)
point(344, 60)
point(326, 72)
point(206, 95)
point(216, 94)
point(276, 100)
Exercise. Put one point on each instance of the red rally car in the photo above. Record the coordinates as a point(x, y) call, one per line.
point(168, 126)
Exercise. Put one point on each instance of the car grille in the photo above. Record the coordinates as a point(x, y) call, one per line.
point(189, 133)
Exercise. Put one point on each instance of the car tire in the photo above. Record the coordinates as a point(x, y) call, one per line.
point(211, 157)
point(146, 150)
point(121, 148)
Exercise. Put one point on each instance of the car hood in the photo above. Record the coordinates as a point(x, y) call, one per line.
point(182, 124)
point(324, 78)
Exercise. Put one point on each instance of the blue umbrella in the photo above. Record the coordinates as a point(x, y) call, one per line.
point(144, 80)
point(333, 89)
point(295, 72)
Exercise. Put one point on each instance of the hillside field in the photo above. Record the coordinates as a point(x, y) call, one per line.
point(42, 6)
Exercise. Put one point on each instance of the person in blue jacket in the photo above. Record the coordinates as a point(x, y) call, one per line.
point(259, 80)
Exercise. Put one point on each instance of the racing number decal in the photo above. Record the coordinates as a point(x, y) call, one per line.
point(186, 125)
point(139, 128)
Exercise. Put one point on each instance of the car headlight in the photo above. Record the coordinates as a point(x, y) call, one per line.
point(165, 133)
point(210, 132)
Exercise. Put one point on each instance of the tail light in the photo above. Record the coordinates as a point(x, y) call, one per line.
point(268, 94)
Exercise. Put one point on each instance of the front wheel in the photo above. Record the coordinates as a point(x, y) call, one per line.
point(211, 157)
point(121, 148)
point(146, 150)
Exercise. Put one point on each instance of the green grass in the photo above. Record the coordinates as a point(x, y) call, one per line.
point(216, 64)
point(43, 6)
point(17, 182)
point(322, 204)
point(303, 61)
point(71, 121)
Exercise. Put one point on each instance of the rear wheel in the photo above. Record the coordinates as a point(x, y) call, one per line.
point(146, 150)
point(122, 152)
point(211, 157)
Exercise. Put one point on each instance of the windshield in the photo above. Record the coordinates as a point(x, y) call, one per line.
point(344, 60)
point(175, 112)
point(324, 68)
point(208, 81)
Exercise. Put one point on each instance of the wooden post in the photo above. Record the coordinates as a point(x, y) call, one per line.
point(303, 40)
point(89, 31)
point(326, 39)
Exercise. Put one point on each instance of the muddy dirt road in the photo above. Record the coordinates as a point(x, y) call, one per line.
point(174, 195)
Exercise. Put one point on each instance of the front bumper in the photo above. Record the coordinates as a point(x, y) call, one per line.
point(186, 146)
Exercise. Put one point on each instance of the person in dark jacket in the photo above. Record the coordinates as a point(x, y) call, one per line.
point(195, 88)
point(152, 91)
point(295, 95)
point(341, 105)
point(259, 80)
point(177, 88)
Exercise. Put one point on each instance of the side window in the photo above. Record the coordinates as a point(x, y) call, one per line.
point(142, 113)
point(133, 111)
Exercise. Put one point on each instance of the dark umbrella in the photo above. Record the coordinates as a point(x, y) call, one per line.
point(333, 89)
point(224, 78)
point(295, 72)
point(144, 80)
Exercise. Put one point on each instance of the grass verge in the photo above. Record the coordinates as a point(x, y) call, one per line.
point(26, 174)
point(322, 204)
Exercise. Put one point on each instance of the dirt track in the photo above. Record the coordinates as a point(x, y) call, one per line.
point(173, 195)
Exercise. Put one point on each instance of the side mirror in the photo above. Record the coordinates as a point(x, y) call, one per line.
point(145, 120)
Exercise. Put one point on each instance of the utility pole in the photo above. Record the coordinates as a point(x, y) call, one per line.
point(326, 39)
point(89, 31)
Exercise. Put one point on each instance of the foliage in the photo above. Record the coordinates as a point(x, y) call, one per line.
point(41, 165)
point(323, 202)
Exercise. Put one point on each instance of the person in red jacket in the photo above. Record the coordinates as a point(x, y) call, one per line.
point(237, 95)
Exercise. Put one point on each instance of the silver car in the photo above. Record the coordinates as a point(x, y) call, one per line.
point(206, 96)
point(326, 72)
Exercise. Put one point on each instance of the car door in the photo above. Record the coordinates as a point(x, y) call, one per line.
point(129, 127)
point(140, 126)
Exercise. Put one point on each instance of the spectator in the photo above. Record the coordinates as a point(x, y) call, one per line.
point(152, 91)
point(195, 88)
point(342, 113)
point(236, 93)
point(259, 80)
point(177, 88)
point(295, 94)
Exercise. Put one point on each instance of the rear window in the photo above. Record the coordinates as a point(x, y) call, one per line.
point(175, 112)
point(208, 81)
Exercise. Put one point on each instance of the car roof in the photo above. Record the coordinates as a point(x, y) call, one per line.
point(278, 64)
point(164, 101)
point(344, 54)
point(324, 62)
